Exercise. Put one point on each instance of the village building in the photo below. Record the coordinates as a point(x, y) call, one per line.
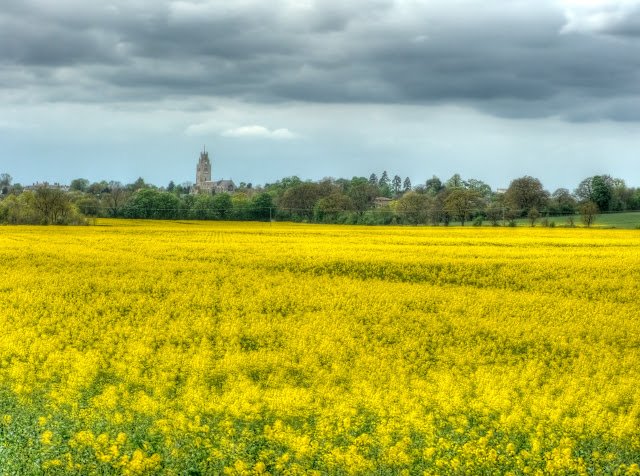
point(35, 186)
point(203, 179)
point(381, 202)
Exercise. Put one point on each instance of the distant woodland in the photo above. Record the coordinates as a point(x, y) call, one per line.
point(376, 200)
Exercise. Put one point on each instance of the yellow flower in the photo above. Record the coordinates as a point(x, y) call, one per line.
point(46, 437)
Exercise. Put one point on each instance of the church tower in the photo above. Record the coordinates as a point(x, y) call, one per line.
point(203, 173)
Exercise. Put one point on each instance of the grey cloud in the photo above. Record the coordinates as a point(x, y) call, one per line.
point(508, 59)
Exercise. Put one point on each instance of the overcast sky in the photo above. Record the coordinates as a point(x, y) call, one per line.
point(491, 90)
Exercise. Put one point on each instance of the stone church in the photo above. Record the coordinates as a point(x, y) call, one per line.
point(203, 178)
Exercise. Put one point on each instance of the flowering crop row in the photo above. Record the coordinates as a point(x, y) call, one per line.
point(208, 348)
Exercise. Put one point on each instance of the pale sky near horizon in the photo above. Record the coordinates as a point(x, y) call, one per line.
point(491, 90)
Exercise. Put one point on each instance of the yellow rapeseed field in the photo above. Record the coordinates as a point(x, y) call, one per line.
point(197, 348)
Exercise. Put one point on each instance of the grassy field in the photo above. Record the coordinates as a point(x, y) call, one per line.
point(624, 220)
point(619, 220)
point(188, 348)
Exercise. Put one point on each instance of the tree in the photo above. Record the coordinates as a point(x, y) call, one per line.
point(386, 191)
point(19, 209)
point(52, 203)
point(562, 202)
point(460, 203)
point(621, 196)
point(396, 185)
point(533, 215)
point(241, 204)
point(455, 182)
point(210, 207)
point(525, 193)
point(588, 213)
point(116, 198)
point(413, 207)
point(222, 206)
point(171, 187)
point(262, 207)
point(5, 180)
point(406, 186)
point(362, 196)
point(373, 179)
point(328, 209)
point(601, 192)
point(494, 213)
point(384, 180)
point(187, 202)
point(433, 185)
point(149, 203)
point(302, 199)
point(89, 206)
point(281, 186)
point(79, 185)
point(98, 188)
point(437, 212)
point(479, 187)
point(202, 208)
point(584, 190)
point(137, 185)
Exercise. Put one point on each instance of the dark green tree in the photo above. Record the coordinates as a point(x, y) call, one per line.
point(384, 180)
point(223, 206)
point(433, 185)
point(203, 208)
point(300, 201)
point(562, 202)
point(362, 196)
point(5, 183)
point(386, 191)
point(5, 180)
point(137, 185)
point(262, 207)
point(406, 185)
point(148, 203)
point(79, 185)
point(330, 208)
point(601, 192)
point(396, 185)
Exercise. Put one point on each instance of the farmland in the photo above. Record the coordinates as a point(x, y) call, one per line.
point(134, 347)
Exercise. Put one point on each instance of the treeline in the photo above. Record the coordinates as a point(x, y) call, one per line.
point(360, 200)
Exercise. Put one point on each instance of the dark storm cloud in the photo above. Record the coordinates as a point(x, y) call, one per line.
point(508, 59)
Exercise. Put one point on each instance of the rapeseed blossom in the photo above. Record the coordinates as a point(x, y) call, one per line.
point(140, 347)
